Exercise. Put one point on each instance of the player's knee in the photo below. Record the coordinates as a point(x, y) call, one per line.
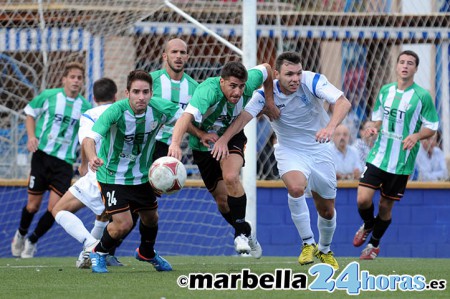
point(55, 211)
point(363, 202)
point(33, 207)
point(296, 191)
point(231, 179)
point(326, 213)
point(124, 227)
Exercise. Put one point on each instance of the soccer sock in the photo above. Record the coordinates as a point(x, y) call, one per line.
point(238, 205)
point(97, 230)
point(74, 227)
point(326, 231)
point(148, 238)
point(300, 216)
point(43, 226)
point(25, 221)
point(106, 243)
point(378, 231)
point(228, 217)
point(367, 217)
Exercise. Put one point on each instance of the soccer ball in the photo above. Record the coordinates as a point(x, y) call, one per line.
point(167, 175)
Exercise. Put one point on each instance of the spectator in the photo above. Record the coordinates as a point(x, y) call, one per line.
point(430, 162)
point(346, 158)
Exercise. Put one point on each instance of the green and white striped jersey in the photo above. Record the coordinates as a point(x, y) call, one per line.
point(57, 121)
point(129, 140)
point(179, 92)
point(402, 112)
point(213, 112)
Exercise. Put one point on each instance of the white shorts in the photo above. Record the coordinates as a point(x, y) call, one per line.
point(86, 190)
point(318, 168)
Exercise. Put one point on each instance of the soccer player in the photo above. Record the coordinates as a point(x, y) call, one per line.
point(85, 191)
point(404, 114)
point(173, 84)
point(304, 158)
point(52, 124)
point(127, 130)
point(215, 104)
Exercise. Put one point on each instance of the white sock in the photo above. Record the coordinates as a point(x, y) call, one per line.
point(300, 217)
point(74, 227)
point(326, 232)
point(99, 227)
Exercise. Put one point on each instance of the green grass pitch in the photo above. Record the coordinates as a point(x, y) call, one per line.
point(58, 278)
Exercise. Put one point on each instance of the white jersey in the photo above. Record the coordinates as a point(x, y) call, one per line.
point(88, 119)
point(348, 162)
point(302, 113)
point(86, 189)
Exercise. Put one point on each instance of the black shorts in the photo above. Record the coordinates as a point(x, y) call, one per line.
point(161, 150)
point(120, 198)
point(49, 173)
point(392, 186)
point(210, 168)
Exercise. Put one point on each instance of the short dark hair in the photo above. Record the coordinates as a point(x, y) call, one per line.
point(139, 75)
point(105, 90)
point(290, 56)
point(73, 65)
point(234, 69)
point(410, 53)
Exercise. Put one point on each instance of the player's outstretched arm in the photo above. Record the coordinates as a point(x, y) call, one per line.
point(270, 109)
point(220, 149)
point(89, 149)
point(340, 111)
point(181, 127)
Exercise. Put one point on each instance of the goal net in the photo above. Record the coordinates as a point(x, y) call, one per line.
point(353, 43)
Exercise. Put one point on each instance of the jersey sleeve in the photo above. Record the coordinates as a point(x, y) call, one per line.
point(323, 89)
point(86, 123)
point(36, 106)
point(428, 115)
point(104, 122)
point(377, 113)
point(171, 110)
point(256, 77)
point(256, 103)
point(205, 96)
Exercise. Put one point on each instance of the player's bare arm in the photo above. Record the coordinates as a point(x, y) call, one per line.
point(204, 137)
point(181, 127)
point(372, 131)
point(33, 142)
point(410, 141)
point(220, 149)
point(89, 148)
point(340, 111)
point(270, 109)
